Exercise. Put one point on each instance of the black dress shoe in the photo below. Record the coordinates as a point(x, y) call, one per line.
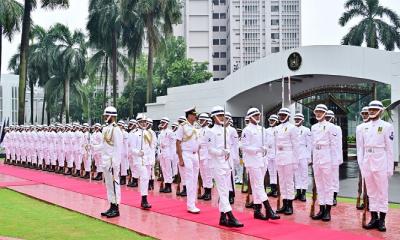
point(334, 198)
point(207, 196)
point(303, 196)
point(144, 204)
point(232, 221)
point(381, 224)
point(114, 211)
point(289, 208)
point(320, 214)
point(222, 220)
point(167, 188)
point(374, 222)
point(98, 177)
point(327, 215)
point(68, 172)
point(183, 193)
point(106, 212)
point(86, 176)
point(257, 212)
point(77, 173)
point(269, 213)
point(283, 208)
point(122, 180)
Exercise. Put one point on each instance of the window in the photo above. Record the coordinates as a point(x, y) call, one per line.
point(215, 2)
point(274, 8)
point(275, 22)
point(222, 16)
point(14, 101)
point(274, 35)
point(222, 29)
point(215, 41)
point(222, 2)
point(223, 67)
point(223, 55)
point(215, 29)
point(216, 79)
point(223, 41)
point(215, 16)
point(274, 49)
point(216, 68)
point(216, 55)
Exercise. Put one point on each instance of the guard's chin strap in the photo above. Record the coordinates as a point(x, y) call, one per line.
point(257, 121)
point(284, 120)
point(108, 118)
point(320, 118)
point(376, 114)
point(299, 123)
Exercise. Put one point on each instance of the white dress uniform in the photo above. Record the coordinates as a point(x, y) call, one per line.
point(131, 157)
point(111, 147)
point(271, 155)
point(234, 154)
point(6, 145)
point(204, 163)
point(254, 160)
point(96, 140)
point(69, 148)
point(166, 141)
point(377, 162)
point(339, 158)
point(22, 145)
point(35, 152)
point(304, 151)
point(188, 135)
point(87, 161)
point(219, 165)
point(286, 141)
point(60, 148)
point(124, 155)
point(143, 140)
point(79, 140)
point(46, 147)
point(12, 143)
point(153, 154)
point(54, 147)
point(323, 138)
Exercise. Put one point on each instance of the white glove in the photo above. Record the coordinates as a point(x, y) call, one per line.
point(263, 150)
point(141, 153)
point(226, 152)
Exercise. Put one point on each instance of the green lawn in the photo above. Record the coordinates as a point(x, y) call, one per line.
point(27, 218)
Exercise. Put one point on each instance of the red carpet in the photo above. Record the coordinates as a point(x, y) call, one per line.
point(281, 229)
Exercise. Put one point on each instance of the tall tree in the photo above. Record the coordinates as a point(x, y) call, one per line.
point(104, 26)
point(11, 13)
point(372, 28)
point(70, 58)
point(158, 17)
point(29, 5)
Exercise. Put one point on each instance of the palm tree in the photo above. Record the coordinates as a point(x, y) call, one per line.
point(372, 28)
point(69, 56)
point(29, 5)
point(104, 26)
point(11, 13)
point(158, 17)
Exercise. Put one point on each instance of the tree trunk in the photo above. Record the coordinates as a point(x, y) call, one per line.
point(114, 67)
point(66, 96)
point(133, 84)
point(149, 90)
point(105, 85)
point(32, 93)
point(62, 106)
point(26, 27)
point(1, 47)
point(44, 104)
point(48, 114)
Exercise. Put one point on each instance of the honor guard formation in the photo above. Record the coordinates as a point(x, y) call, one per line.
point(203, 152)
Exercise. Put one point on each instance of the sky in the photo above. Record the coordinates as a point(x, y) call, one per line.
point(319, 22)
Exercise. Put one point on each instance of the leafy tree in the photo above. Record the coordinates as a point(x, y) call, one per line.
point(372, 29)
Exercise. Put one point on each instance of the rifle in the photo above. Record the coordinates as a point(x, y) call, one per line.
point(366, 206)
point(229, 158)
point(278, 204)
point(360, 186)
point(249, 192)
point(161, 176)
point(178, 181)
point(245, 180)
point(314, 194)
point(199, 186)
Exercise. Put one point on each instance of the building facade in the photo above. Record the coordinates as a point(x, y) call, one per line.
point(238, 32)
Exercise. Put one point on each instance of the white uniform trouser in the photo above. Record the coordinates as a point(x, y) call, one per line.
point(134, 168)
point(8, 153)
point(191, 172)
point(301, 174)
point(144, 176)
point(257, 184)
point(335, 174)
point(40, 156)
point(286, 181)
point(324, 182)
point(124, 166)
point(272, 171)
point(206, 173)
point(69, 155)
point(112, 196)
point(87, 162)
point(222, 179)
point(97, 162)
point(46, 156)
point(61, 158)
point(12, 150)
point(28, 153)
point(166, 168)
point(53, 155)
point(174, 165)
point(34, 155)
point(377, 183)
point(78, 159)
